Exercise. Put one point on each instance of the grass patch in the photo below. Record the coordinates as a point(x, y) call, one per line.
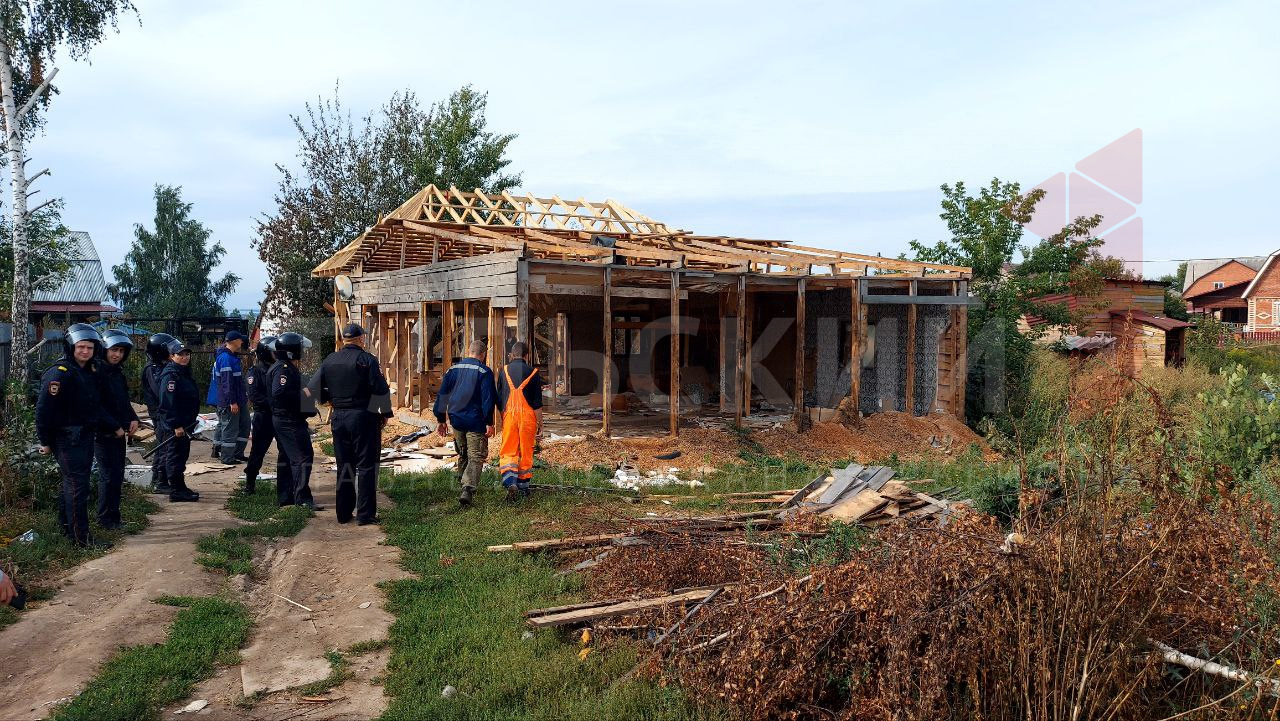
point(51, 552)
point(141, 680)
point(459, 622)
point(231, 549)
point(338, 673)
point(363, 647)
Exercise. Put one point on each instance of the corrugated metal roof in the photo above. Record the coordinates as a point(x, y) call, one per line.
point(85, 282)
point(1087, 342)
point(1160, 322)
point(1199, 268)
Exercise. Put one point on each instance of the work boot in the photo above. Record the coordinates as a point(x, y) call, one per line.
point(513, 493)
point(250, 485)
point(241, 457)
point(368, 521)
point(183, 495)
point(467, 495)
point(215, 453)
point(162, 487)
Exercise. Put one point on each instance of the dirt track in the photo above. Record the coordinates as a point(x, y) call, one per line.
point(106, 604)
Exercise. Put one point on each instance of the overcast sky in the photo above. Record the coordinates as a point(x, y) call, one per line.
point(811, 122)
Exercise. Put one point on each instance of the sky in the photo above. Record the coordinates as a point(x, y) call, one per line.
point(830, 124)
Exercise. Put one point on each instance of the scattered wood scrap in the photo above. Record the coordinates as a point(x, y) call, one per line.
point(867, 495)
point(583, 613)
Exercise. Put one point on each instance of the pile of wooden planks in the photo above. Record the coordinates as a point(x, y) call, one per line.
point(868, 495)
point(582, 613)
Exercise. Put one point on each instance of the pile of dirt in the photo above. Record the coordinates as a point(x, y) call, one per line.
point(878, 437)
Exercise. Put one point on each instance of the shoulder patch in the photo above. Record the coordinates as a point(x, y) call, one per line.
point(250, 379)
point(284, 379)
point(172, 385)
point(54, 387)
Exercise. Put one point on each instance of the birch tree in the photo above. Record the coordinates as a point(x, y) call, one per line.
point(32, 33)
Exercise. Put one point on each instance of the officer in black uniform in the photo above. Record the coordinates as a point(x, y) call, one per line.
point(290, 409)
point(352, 382)
point(179, 406)
point(110, 448)
point(158, 352)
point(68, 416)
point(258, 386)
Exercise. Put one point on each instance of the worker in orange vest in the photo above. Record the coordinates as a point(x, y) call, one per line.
point(520, 400)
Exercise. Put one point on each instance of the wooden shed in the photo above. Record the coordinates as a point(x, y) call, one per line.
point(622, 309)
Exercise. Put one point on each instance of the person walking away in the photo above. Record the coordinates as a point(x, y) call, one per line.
point(110, 448)
point(351, 381)
point(227, 392)
point(290, 409)
point(68, 416)
point(466, 400)
point(158, 354)
point(520, 400)
point(179, 406)
point(258, 391)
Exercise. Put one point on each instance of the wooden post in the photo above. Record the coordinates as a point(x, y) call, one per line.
point(909, 405)
point(552, 371)
point(962, 355)
point(740, 350)
point(855, 345)
point(606, 373)
point(337, 320)
point(446, 337)
point(522, 307)
point(675, 353)
point(466, 328)
point(749, 360)
point(798, 402)
point(424, 354)
point(726, 387)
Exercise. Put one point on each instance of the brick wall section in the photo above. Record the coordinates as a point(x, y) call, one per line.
point(1228, 274)
point(1264, 300)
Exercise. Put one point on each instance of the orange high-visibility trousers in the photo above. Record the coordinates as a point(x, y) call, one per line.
point(519, 432)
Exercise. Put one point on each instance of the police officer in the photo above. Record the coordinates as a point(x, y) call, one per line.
point(258, 387)
point(68, 416)
point(352, 382)
point(158, 353)
point(179, 406)
point(290, 409)
point(110, 448)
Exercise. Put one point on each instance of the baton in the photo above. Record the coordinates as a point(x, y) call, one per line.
point(158, 446)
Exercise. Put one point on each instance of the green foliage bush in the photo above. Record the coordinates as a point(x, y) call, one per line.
point(1237, 426)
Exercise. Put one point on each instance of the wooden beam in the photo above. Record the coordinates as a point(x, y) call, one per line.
point(522, 306)
point(749, 361)
point(594, 290)
point(962, 361)
point(606, 372)
point(909, 406)
point(446, 337)
point(740, 351)
point(675, 354)
point(798, 401)
point(855, 346)
point(424, 354)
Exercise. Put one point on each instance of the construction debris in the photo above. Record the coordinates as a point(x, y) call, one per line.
point(584, 612)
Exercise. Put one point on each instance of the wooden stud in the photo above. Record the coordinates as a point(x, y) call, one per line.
point(424, 355)
point(675, 353)
point(446, 336)
point(962, 357)
point(552, 369)
point(740, 350)
point(523, 332)
point(749, 361)
point(855, 345)
point(725, 385)
point(798, 401)
point(466, 328)
point(909, 405)
point(606, 374)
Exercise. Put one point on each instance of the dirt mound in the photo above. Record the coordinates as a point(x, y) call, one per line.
point(878, 437)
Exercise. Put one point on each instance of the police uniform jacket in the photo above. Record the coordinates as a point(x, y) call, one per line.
point(350, 379)
point(114, 389)
point(151, 386)
point(68, 398)
point(287, 400)
point(179, 397)
point(258, 386)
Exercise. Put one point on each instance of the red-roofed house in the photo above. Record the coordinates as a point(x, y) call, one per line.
point(1218, 290)
point(1263, 298)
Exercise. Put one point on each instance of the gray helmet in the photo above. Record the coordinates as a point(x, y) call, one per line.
point(80, 332)
point(115, 338)
point(289, 346)
point(176, 346)
point(158, 347)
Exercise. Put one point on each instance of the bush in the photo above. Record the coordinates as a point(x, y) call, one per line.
point(1237, 428)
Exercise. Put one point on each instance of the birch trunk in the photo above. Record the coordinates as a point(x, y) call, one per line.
point(18, 182)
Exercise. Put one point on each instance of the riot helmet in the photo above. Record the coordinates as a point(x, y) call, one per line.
point(113, 338)
point(289, 346)
point(158, 347)
point(266, 349)
point(80, 332)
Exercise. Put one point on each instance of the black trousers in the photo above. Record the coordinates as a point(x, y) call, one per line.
point(176, 453)
point(357, 445)
point(110, 452)
point(262, 434)
point(293, 443)
point(73, 447)
point(157, 458)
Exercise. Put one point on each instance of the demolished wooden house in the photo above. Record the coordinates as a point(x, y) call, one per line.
point(622, 308)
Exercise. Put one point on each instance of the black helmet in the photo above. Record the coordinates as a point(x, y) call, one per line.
point(80, 332)
point(113, 338)
point(176, 346)
point(266, 349)
point(289, 346)
point(158, 347)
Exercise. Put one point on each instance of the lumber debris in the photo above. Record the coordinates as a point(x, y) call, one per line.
point(562, 616)
point(867, 495)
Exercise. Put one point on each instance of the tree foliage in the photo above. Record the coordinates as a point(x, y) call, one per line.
point(168, 271)
point(50, 259)
point(1174, 305)
point(351, 172)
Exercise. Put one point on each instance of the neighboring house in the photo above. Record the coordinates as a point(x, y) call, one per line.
point(1263, 298)
point(1127, 315)
point(83, 293)
point(1216, 287)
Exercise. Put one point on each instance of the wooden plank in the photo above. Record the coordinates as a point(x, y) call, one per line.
point(523, 330)
point(909, 405)
point(876, 477)
point(446, 337)
point(899, 299)
point(844, 478)
point(557, 544)
point(798, 400)
point(552, 366)
point(750, 361)
point(804, 492)
point(855, 347)
point(619, 609)
point(594, 290)
point(740, 351)
point(675, 388)
point(606, 374)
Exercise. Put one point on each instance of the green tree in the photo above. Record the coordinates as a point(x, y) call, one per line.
point(168, 271)
point(32, 32)
point(352, 172)
point(1174, 305)
point(49, 245)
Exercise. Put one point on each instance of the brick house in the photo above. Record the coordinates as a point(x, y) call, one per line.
point(1263, 298)
point(1216, 287)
